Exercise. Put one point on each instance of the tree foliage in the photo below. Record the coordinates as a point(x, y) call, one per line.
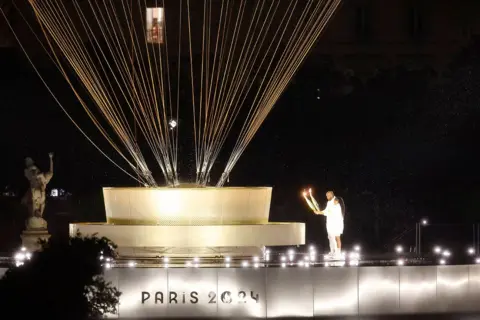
point(63, 281)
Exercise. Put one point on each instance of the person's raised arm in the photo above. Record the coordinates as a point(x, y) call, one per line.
point(49, 174)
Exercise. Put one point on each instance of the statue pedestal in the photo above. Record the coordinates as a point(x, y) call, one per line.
point(30, 239)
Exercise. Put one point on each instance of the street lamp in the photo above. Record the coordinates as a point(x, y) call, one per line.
point(418, 234)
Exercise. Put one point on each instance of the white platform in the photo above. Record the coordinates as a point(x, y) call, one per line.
point(157, 238)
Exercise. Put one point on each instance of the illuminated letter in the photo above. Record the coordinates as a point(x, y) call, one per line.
point(158, 297)
point(194, 297)
point(172, 297)
point(145, 296)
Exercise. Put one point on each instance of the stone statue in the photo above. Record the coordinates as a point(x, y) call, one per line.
point(35, 197)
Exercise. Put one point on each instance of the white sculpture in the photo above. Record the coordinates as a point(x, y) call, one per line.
point(35, 197)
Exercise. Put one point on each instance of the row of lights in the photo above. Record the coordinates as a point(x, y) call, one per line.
point(286, 259)
point(22, 256)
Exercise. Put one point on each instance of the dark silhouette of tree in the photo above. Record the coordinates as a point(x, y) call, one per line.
point(63, 281)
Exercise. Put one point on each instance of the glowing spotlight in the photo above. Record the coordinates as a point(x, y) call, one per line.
point(446, 253)
point(23, 249)
point(244, 264)
point(267, 251)
point(227, 265)
point(400, 262)
point(172, 123)
point(442, 261)
point(188, 264)
point(327, 264)
point(256, 259)
point(255, 265)
point(228, 259)
point(301, 263)
point(132, 264)
point(291, 252)
point(437, 249)
point(312, 248)
point(353, 263)
point(195, 265)
point(284, 264)
point(166, 259)
point(165, 265)
point(399, 249)
point(354, 255)
point(108, 265)
point(424, 222)
point(357, 248)
point(471, 251)
point(196, 259)
point(283, 258)
point(477, 260)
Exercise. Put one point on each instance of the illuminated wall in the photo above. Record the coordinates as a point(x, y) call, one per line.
point(154, 24)
point(290, 292)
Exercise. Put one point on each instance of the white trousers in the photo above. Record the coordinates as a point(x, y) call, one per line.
point(333, 243)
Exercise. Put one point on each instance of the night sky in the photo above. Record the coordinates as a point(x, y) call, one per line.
point(398, 146)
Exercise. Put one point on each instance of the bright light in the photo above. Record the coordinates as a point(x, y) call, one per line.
point(446, 253)
point(172, 123)
point(108, 265)
point(228, 259)
point(353, 263)
point(267, 251)
point(166, 259)
point(188, 263)
point(301, 263)
point(255, 265)
point(196, 259)
point(327, 264)
point(437, 249)
point(196, 265)
point(284, 264)
point(255, 259)
point(400, 262)
point(442, 261)
point(291, 252)
point(356, 248)
point(312, 248)
point(424, 222)
point(165, 265)
point(283, 258)
point(23, 249)
point(312, 257)
point(471, 251)
point(227, 265)
point(267, 257)
point(354, 255)
point(399, 249)
point(477, 260)
point(244, 264)
point(132, 264)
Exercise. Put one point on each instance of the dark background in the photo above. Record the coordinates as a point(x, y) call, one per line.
point(386, 116)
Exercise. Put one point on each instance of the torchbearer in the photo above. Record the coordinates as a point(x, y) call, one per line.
point(334, 213)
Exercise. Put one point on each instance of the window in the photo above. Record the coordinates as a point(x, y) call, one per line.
point(415, 22)
point(362, 27)
point(155, 19)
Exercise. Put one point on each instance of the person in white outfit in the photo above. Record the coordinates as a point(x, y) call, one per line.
point(333, 213)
